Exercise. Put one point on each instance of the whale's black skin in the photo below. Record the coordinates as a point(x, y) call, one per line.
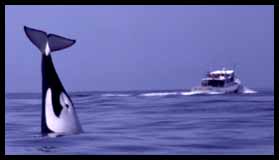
point(48, 43)
point(51, 80)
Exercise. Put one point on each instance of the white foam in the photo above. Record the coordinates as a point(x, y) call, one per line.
point(213, 93)
point(206, 92)
point(190, 93)
point(186, 93)
point(248, 91)
point(159, 94)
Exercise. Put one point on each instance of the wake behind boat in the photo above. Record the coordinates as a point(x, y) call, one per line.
point(220, 81)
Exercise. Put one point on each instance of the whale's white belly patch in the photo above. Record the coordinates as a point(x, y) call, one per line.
point(67, 121)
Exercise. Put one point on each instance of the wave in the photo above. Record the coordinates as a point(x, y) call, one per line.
point(244, 91)
point(248, 91)
point(115, 95)
point(159, 94)
point(186, 93)
point(25, 101)
point(190, 93)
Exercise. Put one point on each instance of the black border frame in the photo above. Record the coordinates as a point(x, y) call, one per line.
point(276, 80)
point(142, 2)
point(132, 2)
point(2, 62)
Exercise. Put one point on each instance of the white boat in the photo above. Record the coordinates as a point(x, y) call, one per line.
point(220, 81)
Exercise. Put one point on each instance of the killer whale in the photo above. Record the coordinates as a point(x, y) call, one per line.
point(58, 116)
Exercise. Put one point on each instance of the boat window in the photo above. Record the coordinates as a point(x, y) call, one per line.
point(216, 83)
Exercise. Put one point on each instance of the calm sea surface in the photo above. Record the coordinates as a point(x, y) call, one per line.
point(148, 122)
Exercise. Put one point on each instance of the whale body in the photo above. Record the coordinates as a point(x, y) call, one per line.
point(58, 116)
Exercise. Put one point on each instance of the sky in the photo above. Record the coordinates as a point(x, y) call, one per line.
point(141, 47)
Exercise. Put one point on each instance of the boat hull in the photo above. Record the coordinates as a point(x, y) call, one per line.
point(236, 88)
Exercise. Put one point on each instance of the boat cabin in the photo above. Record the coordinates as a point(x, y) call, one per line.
point(218, 78)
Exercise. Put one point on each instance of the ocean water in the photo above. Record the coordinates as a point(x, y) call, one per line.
point(148, 122)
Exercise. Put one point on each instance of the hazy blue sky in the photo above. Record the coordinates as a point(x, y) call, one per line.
point(141, 47)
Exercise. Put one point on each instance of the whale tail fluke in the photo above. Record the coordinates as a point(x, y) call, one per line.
point(40, 39)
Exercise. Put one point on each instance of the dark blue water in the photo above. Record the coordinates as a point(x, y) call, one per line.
point(148, 122)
